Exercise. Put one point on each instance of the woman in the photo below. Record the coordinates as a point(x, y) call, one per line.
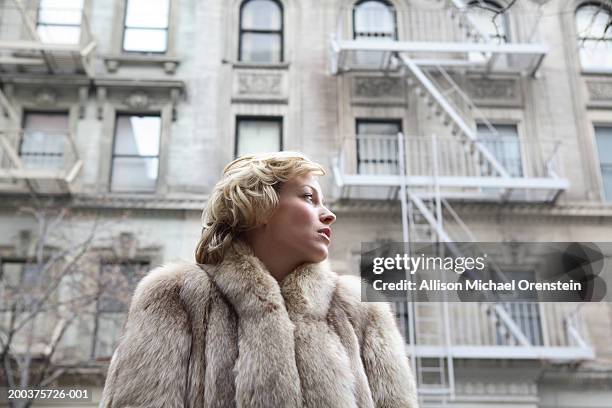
point(260, 320)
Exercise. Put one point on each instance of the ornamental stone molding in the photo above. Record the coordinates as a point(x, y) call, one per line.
point(259, 83)
point(600, 90)
point(490, 91)
point(45, 97)
point(378, 87)
point(137, 100)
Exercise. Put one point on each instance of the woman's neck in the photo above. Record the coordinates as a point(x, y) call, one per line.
point(278, 264)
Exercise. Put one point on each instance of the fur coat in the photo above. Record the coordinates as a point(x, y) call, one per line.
point(231, 336)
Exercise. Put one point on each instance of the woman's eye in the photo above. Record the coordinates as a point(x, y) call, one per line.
point(308, 196)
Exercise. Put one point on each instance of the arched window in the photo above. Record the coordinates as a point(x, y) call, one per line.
point(594, 28)
point(490, 19)
point(374, 19)
point(261, 31)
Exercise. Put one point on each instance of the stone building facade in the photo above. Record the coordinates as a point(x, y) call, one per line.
point(153, 99)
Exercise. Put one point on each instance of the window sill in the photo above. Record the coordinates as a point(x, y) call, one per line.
point(257, 65)
point(596, 71)
point(114, 61)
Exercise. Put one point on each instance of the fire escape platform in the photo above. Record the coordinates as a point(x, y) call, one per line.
point(558, 354)
point(508, 58)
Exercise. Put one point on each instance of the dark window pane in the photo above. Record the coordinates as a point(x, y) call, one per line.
point(261, 15)
point(504, 145)
point(258, 136)
point(259, 47)
point(118, 282)
point(603, 136)
point(377, 147)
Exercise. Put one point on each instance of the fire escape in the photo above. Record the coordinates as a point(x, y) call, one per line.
point(34, 41)
point(427, 173)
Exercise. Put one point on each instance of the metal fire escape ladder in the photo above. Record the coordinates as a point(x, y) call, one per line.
point(430, 321)
point(461, 126)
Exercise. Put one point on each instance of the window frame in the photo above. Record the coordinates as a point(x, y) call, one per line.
point(362, 120)
point(142, 263)
point(58, 112)
point(505, 19)
point(602, 186)
point(80, 25)
point(580, 39)
point(388, 4)
point(280, 32)
point(262, 118)
point(113, 155)
point(124, 27)
point(521, 146)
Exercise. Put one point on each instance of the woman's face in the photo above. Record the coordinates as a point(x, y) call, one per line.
point(300, 226)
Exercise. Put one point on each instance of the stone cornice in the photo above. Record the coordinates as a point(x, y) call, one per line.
point(391, 209)
point(380, 209)
point(115, 201)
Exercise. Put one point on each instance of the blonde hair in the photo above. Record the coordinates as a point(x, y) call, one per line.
point(245, 197)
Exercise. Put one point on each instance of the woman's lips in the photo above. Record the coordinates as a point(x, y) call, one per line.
point(326, 233)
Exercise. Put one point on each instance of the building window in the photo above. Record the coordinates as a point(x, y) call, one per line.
point(374, 19)
point(377, 148)
point(525, 314)
point(603, 135)
point(136, 153)
point(490, 19)
point(18, 282)
point(146, 26)
point(594, 27)
point(258, 135)
point(117, 282)
point(59, 21)
point(261, 31)
point(44, 140)
point(503, 142)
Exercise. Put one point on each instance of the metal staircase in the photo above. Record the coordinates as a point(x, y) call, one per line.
point(422, 175)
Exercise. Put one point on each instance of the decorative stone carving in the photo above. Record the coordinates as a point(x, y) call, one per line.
point(259, 83)
point(83, 95)
point(101, 100)
point(112, 65)
point(485, 88)
point(600, 90)
point(170, 67)
point(46, 97)
point(137, 100)
point(377, 87)
point(174, 97)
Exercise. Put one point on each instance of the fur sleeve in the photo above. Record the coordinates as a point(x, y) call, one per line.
point(149, 366)
point(383, 350)
point(385, 360)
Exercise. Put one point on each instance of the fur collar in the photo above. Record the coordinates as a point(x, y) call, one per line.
point(251, 289)
point(272, 321)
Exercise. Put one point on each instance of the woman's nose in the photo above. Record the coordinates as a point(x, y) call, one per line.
point(328, 217)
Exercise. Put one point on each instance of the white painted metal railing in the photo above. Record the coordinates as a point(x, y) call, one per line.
point(548, 324)
point(61, 43)
point(377, 155)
